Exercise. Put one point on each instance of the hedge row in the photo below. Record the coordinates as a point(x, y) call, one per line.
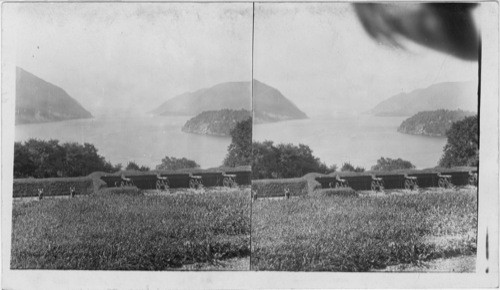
point(177, 180)
point(276, 187)
point(27, 187)
point(396, 181)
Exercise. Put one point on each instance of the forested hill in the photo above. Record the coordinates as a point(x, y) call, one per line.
point(448, 96)
point(432, 123)
point(217, 123)
point(38, 101)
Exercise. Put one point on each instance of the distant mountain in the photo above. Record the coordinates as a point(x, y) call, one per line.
point(38, 101)
point(432, 123)
point(269, 104)
point(449, 96)
point(217, 123)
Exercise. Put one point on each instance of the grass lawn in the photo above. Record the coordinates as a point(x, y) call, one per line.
point(120, 232)
point(362, 233)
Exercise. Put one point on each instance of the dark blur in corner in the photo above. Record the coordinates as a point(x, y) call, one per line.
point(446, 27)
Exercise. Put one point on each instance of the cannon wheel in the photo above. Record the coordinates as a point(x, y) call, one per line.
point(441, 183)
point(160, 185)
point(232, 183)
point(226, 182)
point(374, 186)
point(473, 180)
point(408, 184)
point(192, 183)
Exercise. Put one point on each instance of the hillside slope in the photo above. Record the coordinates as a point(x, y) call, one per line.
point(268, 103)
point(432, 123)
point(448, 96)
point(38, 101)
point(216, 123)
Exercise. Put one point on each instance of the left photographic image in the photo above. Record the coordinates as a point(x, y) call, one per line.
point(132, 137)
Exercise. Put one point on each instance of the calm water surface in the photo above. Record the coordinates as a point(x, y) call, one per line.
point(360, 140)
point(145, 139)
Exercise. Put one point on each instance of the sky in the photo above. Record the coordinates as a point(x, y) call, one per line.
point(319, 56)
point(133, 56)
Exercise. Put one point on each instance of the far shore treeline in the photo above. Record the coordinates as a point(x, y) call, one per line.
point(43, 159)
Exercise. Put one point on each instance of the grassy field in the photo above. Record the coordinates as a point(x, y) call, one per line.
point(315, 233)
point(121, 232)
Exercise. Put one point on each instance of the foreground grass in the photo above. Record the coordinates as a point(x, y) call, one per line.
point(130, 232)
point(362, 233)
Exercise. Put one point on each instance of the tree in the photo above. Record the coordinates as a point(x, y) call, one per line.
point(42, 159)
point(239, 152)
point(462, 147)
point(144, 168)
point(172, 163)
point(133, 166)
point(82, 160)
point(265, 160)
point(388, 164)
point(349, 167)
point(297, 161)
point(48, 158)
point(285, 161)
point(24, 165)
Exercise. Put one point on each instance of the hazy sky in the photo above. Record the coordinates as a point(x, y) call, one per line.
point(319, 56)
point(133, 56)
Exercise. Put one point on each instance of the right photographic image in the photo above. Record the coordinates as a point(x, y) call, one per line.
point(365, 137)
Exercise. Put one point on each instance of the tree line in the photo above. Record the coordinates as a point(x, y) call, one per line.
point(44, 159)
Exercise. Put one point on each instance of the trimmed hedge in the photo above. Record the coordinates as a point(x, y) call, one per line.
point(396, 179)
point(129, 190)
point(336, 192)
point(276, 187)
point(27, 187)
point(176, 180)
